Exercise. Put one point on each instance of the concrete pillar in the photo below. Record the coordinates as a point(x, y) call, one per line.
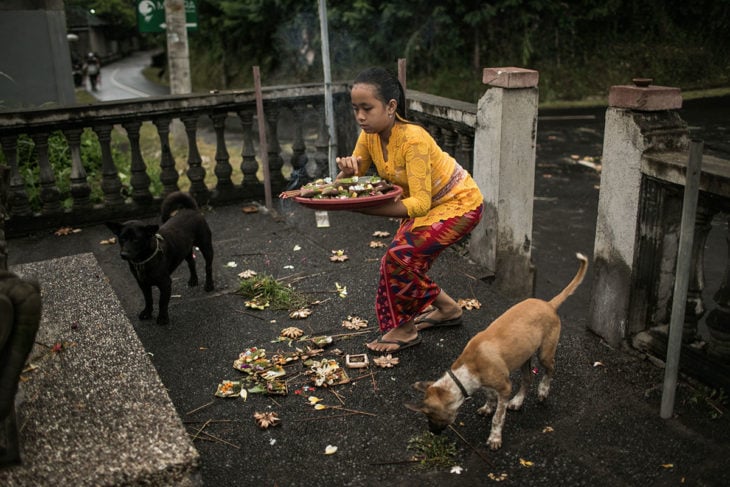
point(634, 118)
point(35, 60)
point(177, 47)
point(504, 169)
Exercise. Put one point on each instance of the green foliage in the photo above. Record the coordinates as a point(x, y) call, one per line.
point(433, 451)
point(59, 157)
point(580, 48)
point(120, 18)
point(265, 289)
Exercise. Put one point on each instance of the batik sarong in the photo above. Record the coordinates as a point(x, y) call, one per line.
point(405, 288)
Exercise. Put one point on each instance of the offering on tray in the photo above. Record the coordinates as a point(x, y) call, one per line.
point(345, 194)
point(346, 188)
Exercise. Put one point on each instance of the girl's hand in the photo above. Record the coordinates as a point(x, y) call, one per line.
point(348, 166)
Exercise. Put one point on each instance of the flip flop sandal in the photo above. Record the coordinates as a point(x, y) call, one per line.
point(424, 312)
point(439, 323)
point(402, 345)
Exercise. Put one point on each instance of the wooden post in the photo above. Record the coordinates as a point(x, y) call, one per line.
point(263, 144)
point(402, 72)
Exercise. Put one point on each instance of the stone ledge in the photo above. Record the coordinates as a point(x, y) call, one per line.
point(649, 98)
point(95, 413)
point(510, 77)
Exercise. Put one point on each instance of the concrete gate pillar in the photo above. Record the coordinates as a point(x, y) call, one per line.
point(637, 121)
point(504, 169)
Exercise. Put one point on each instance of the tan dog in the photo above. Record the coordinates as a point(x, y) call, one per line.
point(529, 327)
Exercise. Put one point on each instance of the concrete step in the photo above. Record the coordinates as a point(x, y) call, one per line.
point(94, 412)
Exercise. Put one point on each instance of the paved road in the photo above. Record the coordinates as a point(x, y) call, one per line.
point(124, 79)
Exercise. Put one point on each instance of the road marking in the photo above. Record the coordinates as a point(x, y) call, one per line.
point(126, 88)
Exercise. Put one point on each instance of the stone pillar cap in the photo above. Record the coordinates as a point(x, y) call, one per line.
point(510, 77)
point(644, 96)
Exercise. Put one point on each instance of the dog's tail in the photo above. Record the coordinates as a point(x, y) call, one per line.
point(573, 285)
point(174, 202)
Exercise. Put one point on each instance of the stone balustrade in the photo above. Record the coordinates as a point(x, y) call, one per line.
point(645, 158)
point(230, 116)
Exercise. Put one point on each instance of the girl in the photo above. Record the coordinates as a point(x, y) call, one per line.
point(441, 204)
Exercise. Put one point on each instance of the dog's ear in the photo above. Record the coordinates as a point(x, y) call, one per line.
point(421, 386)
point(115, 227)
point(416, 407)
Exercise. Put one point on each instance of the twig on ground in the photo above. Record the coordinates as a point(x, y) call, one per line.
point(200, 430)
point(212, 421)
point(369, 374)
point(320, 418)
point(199, 408)
point(338, 396)
point(220, 440)
point(352, 333)
point(399, 462)
point(251, 315)
point(487, 460)
point(354, 411)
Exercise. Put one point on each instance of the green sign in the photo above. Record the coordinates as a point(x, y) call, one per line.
point(151, 15)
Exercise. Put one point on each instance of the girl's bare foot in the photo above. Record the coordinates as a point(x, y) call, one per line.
point(396, 339)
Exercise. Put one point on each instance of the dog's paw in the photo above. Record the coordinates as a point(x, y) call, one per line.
point(485, 410)
point(515, 404)
point(494, 442)
point(145, 314)
point(209, 286)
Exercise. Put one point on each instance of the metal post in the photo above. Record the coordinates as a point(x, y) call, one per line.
point(681, 278)
point(329, 110)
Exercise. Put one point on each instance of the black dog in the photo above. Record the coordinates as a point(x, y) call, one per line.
point(154, 252)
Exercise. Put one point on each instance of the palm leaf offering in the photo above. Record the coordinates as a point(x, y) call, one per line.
point(345, 188)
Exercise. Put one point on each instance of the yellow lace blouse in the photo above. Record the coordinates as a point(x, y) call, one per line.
point(435, 186)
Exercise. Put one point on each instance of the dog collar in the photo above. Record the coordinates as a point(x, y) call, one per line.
point(158, 239)
point(459, 385)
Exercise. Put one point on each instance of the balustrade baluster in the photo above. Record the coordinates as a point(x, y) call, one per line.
point(111, 185)
point(17, 195)
point(196, 172)
point(450, 140)
point(435, 132)
point(168, 170)
point(465, 152)
point(80, 189)
point(139, 179)
point(223, 169)
point(695, 307)
point(4, 214)
point(299, 158)
point(321, 155)
point(249, 165)
point(50, 195)
point(274, 150)
point(718, 320)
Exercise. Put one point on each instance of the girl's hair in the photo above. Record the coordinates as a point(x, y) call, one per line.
point(387, 87)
